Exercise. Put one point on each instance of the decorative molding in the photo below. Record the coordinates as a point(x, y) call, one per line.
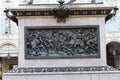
point(72, 12)
point(74, 42)
point(61, 13)
point(62, 69)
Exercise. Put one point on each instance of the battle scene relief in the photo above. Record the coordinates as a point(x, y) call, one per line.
point(61, 42)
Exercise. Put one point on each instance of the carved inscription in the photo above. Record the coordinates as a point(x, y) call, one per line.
point(61, 42)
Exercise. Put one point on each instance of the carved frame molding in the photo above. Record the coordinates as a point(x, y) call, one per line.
point(72, 12)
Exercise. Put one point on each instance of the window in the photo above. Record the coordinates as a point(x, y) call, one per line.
point(8, 47)
point(113, 54)
point(7, 26)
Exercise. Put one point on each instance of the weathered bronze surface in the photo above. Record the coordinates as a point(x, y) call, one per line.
point(61, 13)
point(80, 42)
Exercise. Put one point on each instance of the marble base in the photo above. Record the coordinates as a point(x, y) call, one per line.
point(64, 73)
point(92, 75)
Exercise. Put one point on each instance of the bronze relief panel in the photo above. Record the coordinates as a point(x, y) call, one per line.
point(55, 42)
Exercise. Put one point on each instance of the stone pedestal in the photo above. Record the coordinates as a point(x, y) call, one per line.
point(54, 62)
point(114, 75)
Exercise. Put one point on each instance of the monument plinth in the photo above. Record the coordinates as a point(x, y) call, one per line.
point(62, 42)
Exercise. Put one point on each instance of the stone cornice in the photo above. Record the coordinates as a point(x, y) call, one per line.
point(49, 12)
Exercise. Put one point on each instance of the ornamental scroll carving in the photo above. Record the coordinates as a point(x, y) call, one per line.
point(61, 42)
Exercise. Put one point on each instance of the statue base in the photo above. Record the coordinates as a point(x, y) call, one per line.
point(64, 73)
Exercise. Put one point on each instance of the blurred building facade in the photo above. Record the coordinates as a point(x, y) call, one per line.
point(113, 37)
point(9, 34)
point(8, 38)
